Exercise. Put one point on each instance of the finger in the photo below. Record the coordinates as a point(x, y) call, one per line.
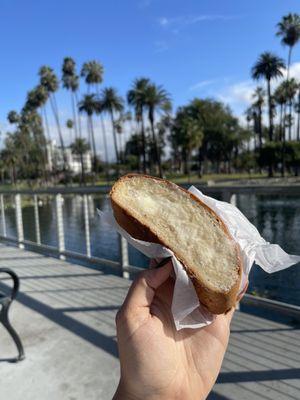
point(230, 313)
point(240, 296)
point(143, 288)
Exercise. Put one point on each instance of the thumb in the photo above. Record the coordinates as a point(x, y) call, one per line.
point(142, 291)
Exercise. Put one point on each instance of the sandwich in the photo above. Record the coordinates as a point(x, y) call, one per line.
point(158, 211)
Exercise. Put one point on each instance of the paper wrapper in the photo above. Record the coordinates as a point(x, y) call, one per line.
point(186, 309)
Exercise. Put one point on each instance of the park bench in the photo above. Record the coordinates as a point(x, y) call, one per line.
point(5, 302)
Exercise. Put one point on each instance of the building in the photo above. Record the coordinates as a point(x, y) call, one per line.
point(55, 159)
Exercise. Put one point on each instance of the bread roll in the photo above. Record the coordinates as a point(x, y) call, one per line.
point(158, 211)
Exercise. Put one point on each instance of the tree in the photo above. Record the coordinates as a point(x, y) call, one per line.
point(80, 147)
point(289, 31)
point(92, 72)
point(49, 81)
point(13, 117)
point(70, 81)
point(89, 105)
point(136, 98)
point(70, 126)
point(268, 66)
point(156, 100)
point(290, 88)
point(112, 103)
point(259, 100)
point(280, 97)
point(186, 134)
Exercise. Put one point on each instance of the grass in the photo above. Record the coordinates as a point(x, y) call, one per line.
point(193, 178)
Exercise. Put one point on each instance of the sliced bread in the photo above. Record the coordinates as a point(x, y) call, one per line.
point(158, 211)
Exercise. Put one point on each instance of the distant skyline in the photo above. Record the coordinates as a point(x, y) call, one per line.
point(194, 49)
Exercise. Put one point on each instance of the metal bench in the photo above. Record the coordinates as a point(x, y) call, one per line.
point(5, 302)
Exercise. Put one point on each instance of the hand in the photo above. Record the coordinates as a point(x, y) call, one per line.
point(157, 361)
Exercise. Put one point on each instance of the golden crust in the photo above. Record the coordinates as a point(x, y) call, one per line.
point(216, 302)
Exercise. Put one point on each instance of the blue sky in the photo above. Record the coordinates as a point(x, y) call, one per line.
point(192, 47)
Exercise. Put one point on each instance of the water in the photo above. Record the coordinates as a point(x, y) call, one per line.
point(277, 219)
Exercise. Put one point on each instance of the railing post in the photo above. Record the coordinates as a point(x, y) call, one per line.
point(19, 220)
point(37, 220)
point(3, 215)
point(60, 226)
point(86, 225)
point(233, 199)
point(124, 256)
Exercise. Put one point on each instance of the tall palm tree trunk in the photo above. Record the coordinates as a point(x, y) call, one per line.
point(280, 123)
point(115, 140)
point(78, 115)
point(284, 115)
point(93, 143)
point(298, 118)
point(156, 147)
point(143, 144)
point(74, 115)
point(82, 170)
point(56, 117)
point(105, 147)
point(270, 112)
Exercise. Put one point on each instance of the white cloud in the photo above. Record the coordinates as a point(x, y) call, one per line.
point(186, 20)
point(201, 84)
point(239, 93)
point(295, 70)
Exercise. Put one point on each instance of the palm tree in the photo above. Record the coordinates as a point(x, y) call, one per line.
point(297, 110)
point(89, 105)
point(13, 117)
point(280, 97)
point(259, 100)
point(49, 81)
point(70, 81)
point(289, 31)
point(92, 72)
point(80, 147)
point(290, 87)
point(136, 98)
point(156, 100)
point(112, 103)
point(70, 126)
point(268, 66)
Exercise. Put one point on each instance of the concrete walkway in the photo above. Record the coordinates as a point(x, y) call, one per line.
point(65, 316)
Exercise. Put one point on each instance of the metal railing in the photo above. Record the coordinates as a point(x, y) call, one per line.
point(60, 250)
point(122, 266)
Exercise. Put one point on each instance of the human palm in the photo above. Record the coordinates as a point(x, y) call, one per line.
point(157, 361)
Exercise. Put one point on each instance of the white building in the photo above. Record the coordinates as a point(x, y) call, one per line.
point(55, 159)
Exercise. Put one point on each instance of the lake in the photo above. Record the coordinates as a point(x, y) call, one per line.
point(277, 219)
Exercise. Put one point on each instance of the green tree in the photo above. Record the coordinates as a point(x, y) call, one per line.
point(89, 105)
point(289, 31)
point(136, 98)
point(70, 81)
point(49, 81)
point(258, 104)
point(70, 126)
point(157, 100)
point(112, 103)
point(92, 72)
point(280, 97)
point(13, 117)
point(80, 147)
point(186, 134)
point(268, 66)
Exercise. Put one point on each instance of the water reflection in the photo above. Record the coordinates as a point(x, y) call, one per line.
point(277, 219)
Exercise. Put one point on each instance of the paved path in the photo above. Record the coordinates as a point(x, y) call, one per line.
point(65, 316)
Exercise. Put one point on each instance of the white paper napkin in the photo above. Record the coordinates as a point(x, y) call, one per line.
point(186, 308)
